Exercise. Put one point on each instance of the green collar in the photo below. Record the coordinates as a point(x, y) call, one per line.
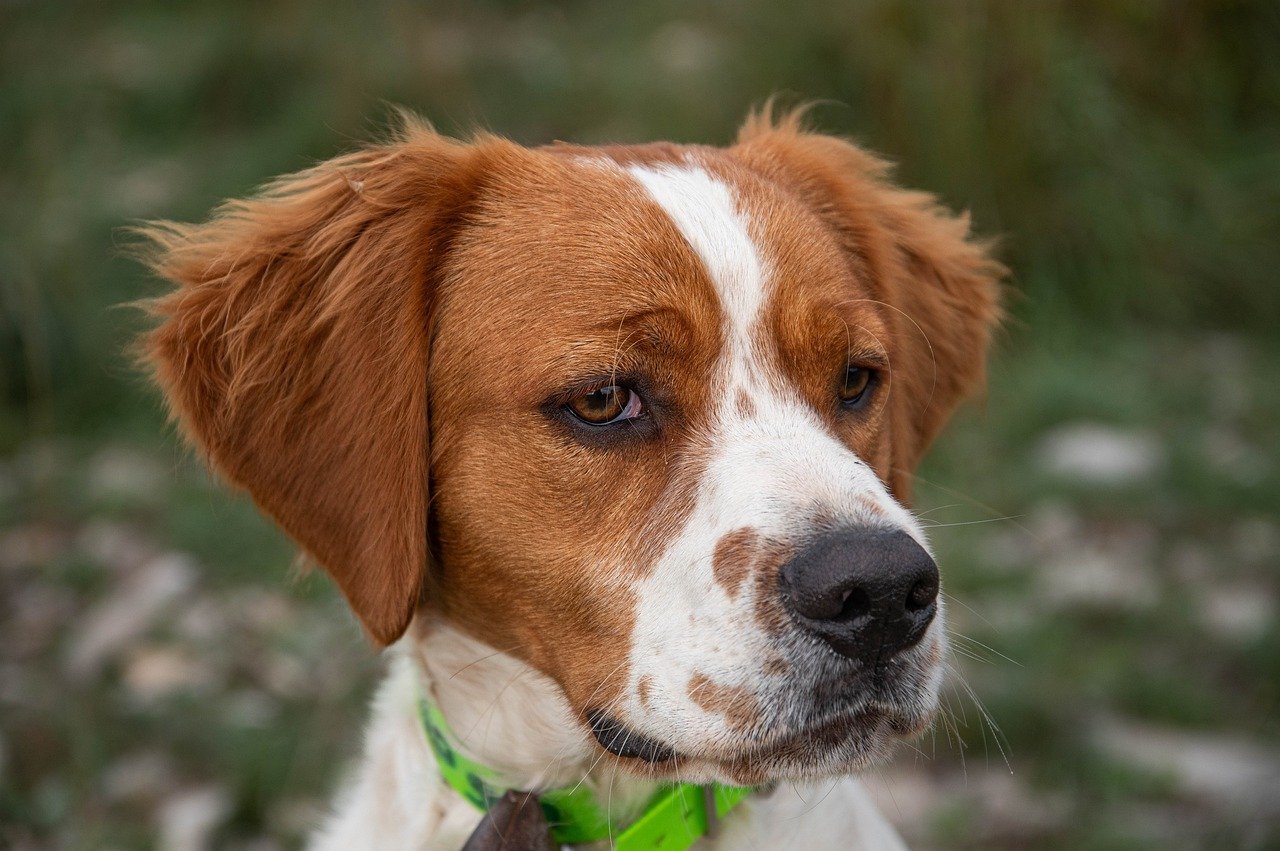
point(675, 818)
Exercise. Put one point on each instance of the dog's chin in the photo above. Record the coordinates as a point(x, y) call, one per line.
point(840, 745)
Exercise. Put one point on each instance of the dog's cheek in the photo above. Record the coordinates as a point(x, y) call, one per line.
point(592, 660)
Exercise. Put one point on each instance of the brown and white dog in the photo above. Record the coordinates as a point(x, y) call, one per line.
point(605, 440)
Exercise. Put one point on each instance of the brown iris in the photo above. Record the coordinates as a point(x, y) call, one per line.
point(857, 381)
point(606, 405)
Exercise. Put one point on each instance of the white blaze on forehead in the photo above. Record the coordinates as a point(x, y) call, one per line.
point(703, 209)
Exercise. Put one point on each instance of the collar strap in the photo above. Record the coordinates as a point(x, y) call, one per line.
point(675, 817)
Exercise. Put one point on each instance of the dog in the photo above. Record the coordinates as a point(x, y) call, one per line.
point(612, 446)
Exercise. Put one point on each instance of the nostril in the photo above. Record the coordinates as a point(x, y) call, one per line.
point(922, 595)
point(854, 603)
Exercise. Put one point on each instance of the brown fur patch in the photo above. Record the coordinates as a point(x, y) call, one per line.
point(743, 552)
point(934, 656)
point(761, 565)
point(643, 688)
point(771, 615)
point(775, 666)
point(871, 506)
point(738, 705)
point(734, 555)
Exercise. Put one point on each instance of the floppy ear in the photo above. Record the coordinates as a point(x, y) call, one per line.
point(939, 286)
point(293, 353)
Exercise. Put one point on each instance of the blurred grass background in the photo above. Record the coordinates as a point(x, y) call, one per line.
point(1107, 519)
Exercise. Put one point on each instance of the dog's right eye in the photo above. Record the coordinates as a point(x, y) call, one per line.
point(605, 405)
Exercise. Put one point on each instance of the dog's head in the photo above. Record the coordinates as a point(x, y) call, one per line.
point(643, 417)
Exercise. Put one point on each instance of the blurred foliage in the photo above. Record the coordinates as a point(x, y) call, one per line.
point(1126, 152)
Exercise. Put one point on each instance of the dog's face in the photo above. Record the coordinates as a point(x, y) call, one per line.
point(662, 404)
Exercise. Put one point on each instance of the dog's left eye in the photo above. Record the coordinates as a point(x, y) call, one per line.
point(605, 406)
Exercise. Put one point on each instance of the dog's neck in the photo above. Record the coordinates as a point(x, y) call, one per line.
point(513, 719)
point(505, 715)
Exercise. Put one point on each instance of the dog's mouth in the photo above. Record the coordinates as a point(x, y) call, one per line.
point(620, 740)
point(853, 737)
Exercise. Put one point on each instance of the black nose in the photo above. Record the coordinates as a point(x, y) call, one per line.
point(869, 593)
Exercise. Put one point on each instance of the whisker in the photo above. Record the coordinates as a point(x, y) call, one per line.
point(492, 705)
point(952, 725)
point(912, 747)
point(987, 647)
point(969, 654)
point(996, 733)
point(486, 657)
point(971, 609)
point(972, 522)
point(888, 788)
point(888, 362)
point(811, 807)
point(919, 514)
point(970, 500)
point(795, 788)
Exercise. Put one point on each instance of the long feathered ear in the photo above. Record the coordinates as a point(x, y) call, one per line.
point(293, 353)
point(941, 287)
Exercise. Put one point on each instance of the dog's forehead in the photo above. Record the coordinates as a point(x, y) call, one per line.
point(559, 259)
point(582, 231)
point(568, 247)
point(776, 269)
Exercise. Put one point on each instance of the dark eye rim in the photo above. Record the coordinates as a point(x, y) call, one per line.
point(868, 390)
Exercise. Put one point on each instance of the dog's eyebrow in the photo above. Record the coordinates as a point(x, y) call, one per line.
point(656, 329)
point(654, 315)
point(863, 337)
point(869, 357)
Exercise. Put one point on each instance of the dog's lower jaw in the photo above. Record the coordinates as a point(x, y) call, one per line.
point(511, 718)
